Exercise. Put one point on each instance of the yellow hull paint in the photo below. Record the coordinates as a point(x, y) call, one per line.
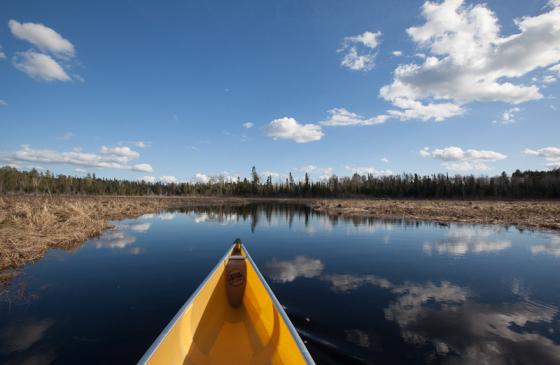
point(207, 330)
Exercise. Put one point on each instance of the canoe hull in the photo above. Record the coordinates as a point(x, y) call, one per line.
point(207, 330)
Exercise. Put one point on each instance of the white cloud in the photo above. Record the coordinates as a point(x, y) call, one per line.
point(168, 179)
point(200, 177)
point(457, 159)
point(343, 117)
point(470, 61)
point(385, 159)
point(2, 54)
point(248, 125)
point(550, 154)
point(141, 144)
point(124, 152)
point(397, 53)
point(39, 66)
point(549, 79)
point(3, 103)
point(508, 116)
point(289, 128)
point(555, 68)
point(368, 170)
point(142, 167)
point(149, 179)
point(360, 51)
point(312, 169)
point(42, 37)
point(109, 158)
point(413, 109)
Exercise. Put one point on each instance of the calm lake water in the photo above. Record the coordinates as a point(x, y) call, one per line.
point(359, 291)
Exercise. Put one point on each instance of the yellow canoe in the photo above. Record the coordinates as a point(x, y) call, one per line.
point(210, 330)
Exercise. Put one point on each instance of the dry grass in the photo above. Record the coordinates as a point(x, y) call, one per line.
point(522, 214)
point(30, 225)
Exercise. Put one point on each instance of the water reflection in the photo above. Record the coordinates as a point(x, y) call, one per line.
point(288, 271)
point(123, 235)
point(21, 336)
point(471, 332)
point(345, 288)
point(464, 239)
point(552, 247)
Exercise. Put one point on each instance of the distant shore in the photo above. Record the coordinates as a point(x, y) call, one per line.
point(30, 225)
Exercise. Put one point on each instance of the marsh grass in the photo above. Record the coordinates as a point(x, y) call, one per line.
point(522, 214)
point(30, 225)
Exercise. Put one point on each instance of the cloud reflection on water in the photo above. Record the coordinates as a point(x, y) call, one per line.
point(19, 336)
point(552, 247)
point(464, 239)
point(288, 270)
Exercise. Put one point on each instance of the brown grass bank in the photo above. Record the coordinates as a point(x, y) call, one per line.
point(522, 214)
point(30, 225)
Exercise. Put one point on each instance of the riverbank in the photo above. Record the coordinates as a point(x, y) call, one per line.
point(522, 214)
point(30, 225)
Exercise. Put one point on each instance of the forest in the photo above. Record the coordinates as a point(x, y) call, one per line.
point(518, 185)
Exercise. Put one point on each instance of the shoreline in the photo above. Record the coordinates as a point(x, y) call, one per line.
point(30, 225)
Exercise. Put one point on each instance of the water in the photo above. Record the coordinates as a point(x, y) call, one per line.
point(359, 291)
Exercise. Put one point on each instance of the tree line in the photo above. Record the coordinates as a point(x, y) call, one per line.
point(519, 185)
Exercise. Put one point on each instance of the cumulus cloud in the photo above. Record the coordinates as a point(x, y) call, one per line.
point(470, 61)
point(508, 116)
point(360, 51)
point(342, 117)
point(368, 170)
point(43, 37)
point(167, 179)
point(2, 54)
point(289, 128)
point(248, 125)
point(149, 179)
point(457, 159)
point(124, 152)
point(397, 53)
point(200, 177)
point(550, 154)
point(39, 66)
point(110, 158)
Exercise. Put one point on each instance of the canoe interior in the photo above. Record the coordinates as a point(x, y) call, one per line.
point(210, 331)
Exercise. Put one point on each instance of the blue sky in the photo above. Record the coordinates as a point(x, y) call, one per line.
point(458, 87)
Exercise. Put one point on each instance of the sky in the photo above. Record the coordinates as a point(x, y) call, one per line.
point(188, 90)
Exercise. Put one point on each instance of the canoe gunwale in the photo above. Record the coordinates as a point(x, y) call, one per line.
point(291, 328)
point(147, 356)
point(162, 336)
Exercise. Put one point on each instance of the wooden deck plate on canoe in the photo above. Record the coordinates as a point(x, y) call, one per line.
point(240, 324)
